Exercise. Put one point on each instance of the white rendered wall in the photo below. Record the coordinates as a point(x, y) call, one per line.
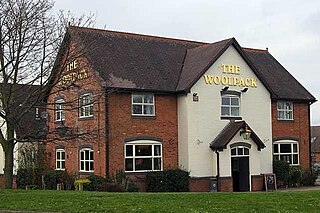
point(200, 122)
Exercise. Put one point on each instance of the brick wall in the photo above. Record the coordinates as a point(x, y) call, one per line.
point(199, 184)
point(83, 131)
point(256, 183)
point(298, 128)
point(225, 184)
point(123, 126)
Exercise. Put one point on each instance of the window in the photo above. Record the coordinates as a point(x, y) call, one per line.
point(239, 151)
point(60, 159)
point(143, 105)
point(59, 107)
point(86, 160)
point(286, 151)
point(285, 110)
point(143, 157)
point(230, 106)
point(86, 105)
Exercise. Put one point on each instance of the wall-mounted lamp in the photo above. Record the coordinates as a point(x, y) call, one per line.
point(246, 133)
point(225, 88)
point(195, 97)
point(244, 89)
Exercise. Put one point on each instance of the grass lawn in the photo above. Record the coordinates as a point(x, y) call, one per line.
point(76, 201)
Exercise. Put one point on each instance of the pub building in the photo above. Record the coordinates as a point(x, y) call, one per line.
point(142, 103)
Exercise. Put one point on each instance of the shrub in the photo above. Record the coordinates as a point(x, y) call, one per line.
point(84, 182)
point(29, 178)
point(96, 183)
point(171, 180)
point(309, 177)
point(53, 177)
point(281, 169)
point(295, 176)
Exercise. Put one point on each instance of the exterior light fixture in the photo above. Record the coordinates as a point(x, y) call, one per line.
point(246, 133)
point(225, 88)
point(245, 89)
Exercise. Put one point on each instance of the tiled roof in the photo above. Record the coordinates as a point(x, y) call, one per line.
point(315, 139)
point(149, 63)
point(229, 131)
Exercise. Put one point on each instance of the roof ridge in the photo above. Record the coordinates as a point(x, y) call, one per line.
point(137, 35)
point(254, 49)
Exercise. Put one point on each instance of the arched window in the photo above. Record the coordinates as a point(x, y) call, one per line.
point(143, 155)
point(286, 150)
point(59, 110)
point(86, 160)
point(239, 151)
point(60, 159)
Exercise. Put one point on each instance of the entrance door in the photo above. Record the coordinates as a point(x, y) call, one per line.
point(240, 168)
point(240, 173)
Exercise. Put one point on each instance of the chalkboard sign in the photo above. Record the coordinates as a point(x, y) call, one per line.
point(270, 182)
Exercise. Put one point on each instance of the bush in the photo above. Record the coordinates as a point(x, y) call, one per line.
point(171, 180)
point(281, 169)
point(53, 177)
point(29, 178)
point(309, 177)
point(96, 183)
point(295, 176)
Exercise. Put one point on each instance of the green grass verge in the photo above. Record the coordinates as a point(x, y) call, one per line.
point(76, 201)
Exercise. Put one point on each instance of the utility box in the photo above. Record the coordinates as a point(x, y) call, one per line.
point(213, 185)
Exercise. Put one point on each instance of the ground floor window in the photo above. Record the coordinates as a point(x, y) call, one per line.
point(286, 151)
point(143, 156)
point(60, 159)
point(86, 160)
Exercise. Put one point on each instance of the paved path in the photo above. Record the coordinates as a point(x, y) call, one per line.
point(303, 188)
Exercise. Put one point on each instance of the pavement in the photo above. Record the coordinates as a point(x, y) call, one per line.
point(302, 188)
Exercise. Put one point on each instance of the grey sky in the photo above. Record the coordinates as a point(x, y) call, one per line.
point(289, 28)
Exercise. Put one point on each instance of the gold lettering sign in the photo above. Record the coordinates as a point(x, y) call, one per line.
point(74, 75)
point(230, 80)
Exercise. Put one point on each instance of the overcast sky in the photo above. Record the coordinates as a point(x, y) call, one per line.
point(289, 28)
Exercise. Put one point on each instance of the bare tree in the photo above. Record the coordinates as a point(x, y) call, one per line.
point(29, 40)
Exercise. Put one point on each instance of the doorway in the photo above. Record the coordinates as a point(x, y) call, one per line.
point(240, 168)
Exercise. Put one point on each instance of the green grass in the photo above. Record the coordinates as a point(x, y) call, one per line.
point(76, 201)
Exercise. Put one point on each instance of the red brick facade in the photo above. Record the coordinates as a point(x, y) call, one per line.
point(92, 131)
point(297, 128)
point(256, 183)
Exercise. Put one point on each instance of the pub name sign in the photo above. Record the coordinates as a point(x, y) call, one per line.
point(232, 77)
point(73, 73)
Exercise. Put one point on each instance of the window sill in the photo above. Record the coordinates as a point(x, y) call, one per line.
point(283, 120)
point(86, 173)
point(86, 118)
point(143, 116)
point(231, 118)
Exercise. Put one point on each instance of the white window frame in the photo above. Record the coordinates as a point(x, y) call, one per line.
point(291, 154)
point(237, 151)
point(152, 156)
point(143, 104)
point(60, 161)
point(230, 106)
point(286, 111)
point(59, 110)
point(85, 107)
point(86, 151)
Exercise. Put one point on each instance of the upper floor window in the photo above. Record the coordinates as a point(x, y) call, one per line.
point(286, 151)
point(59, 110)
point(143, 104)
point(230, 106)
point(86, 160)
point(285, 110)
point(60, 159)
point(86, 105)
point(143, 156)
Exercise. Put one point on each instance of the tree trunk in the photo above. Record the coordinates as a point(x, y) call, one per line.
point(8, 165)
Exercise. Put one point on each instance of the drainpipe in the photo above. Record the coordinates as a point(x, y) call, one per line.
point(218, 169)
point(310, 151)
point(107, 128)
